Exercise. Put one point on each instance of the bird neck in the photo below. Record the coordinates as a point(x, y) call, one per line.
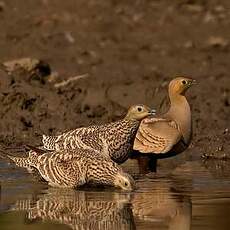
point(180, 112)
point(132, 121)
point(131, 126)
point(121, 127)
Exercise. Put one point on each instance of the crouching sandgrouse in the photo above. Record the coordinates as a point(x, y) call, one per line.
point(73, 168)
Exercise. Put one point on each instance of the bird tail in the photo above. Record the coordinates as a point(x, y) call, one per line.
point(49, 142)
point(24, 162)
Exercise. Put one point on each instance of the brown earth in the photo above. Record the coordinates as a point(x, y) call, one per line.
point(129, 49)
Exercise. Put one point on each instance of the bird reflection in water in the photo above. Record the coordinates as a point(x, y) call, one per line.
point(161, 206)
point(157, 203)
point(80, 209)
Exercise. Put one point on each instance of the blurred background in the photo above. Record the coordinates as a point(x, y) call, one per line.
point(129, 51)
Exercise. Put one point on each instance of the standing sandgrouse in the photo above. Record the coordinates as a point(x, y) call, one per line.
point(170, 133)
point(73, 168)
point(114, 139)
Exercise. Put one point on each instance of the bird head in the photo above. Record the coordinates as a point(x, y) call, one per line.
point(124, 181)
point(139, 112)
point(107, 172)
point(180, 85)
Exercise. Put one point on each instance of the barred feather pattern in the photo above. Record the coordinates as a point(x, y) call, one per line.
point(25, 162)
point(115, 139)
point(80, 210)
point(72, 168)
point(171, 132)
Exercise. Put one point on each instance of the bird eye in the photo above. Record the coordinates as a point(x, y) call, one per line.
point(184, 82)
point(126, 184)
point(139, 109)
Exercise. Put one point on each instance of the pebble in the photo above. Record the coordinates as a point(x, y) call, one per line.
point(2, 6)
point(217, 41)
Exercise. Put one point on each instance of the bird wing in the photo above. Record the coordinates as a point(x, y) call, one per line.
point(157, 135)
point(61, 169)
point(66, 140)
point(49, 142)
point(79, 138)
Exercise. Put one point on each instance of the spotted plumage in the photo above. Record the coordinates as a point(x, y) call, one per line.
point(74, 168)
point(114, 139)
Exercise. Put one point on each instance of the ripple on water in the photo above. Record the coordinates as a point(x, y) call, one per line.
point(194, 196)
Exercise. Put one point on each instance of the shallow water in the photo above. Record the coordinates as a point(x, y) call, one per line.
point(192, 196)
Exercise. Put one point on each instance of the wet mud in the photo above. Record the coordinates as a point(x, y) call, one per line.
point(129, 52)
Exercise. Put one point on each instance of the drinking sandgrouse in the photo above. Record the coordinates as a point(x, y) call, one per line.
point(73, 168)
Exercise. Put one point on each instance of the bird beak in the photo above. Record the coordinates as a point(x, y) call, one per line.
point(152, 112)
point(193, 82)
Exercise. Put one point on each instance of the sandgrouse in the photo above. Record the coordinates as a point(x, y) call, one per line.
point(73, 168)
point(170, 133)
point(114, 139)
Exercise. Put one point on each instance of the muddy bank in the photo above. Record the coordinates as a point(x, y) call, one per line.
point(129, 51)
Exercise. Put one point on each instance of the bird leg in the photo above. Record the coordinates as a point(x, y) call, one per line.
point(152, 164)
point(146, 164)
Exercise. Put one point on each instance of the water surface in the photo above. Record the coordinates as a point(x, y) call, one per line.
point(193, 196)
